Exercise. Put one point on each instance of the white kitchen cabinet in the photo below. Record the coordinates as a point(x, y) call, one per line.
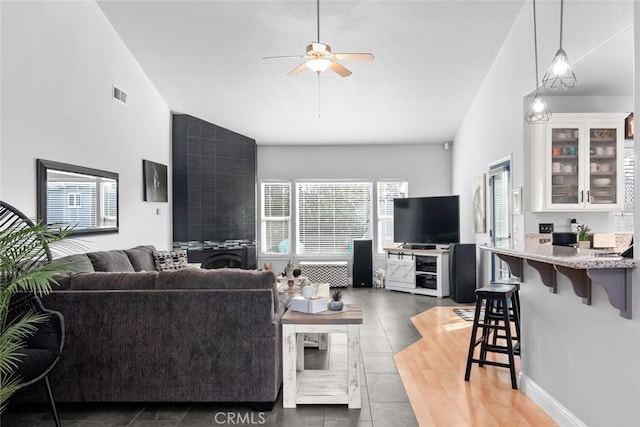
point(578, 163)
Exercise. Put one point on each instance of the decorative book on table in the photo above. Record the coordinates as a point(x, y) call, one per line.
point(308, 305)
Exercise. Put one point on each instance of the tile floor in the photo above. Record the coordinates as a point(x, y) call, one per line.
point(387, 329)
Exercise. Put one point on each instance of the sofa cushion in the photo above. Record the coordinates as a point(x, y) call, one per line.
point(63, 282)
point(101, 280)
point(113, 261)
point(77, 263)
point(73, 264)
point(170, 260)
point(221, 278)
point(141, 258)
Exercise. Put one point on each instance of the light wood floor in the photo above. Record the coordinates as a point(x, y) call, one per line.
point(432, 371)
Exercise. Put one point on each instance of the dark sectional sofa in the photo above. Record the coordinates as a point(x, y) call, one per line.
point(134, 334)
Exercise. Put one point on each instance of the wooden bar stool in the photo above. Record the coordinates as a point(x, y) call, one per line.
point(500, 307)
point(514, 312)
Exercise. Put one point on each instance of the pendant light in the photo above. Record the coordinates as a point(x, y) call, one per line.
point(538, 111)
point(559, 76)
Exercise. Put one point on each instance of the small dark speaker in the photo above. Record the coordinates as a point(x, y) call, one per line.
point(462, 272)
point(362, 264)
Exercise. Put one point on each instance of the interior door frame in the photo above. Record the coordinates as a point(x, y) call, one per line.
point(496, 167)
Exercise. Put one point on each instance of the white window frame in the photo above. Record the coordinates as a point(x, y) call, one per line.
point(383, 220)
point(74, 200)
point(623, 221)
point(264, 219)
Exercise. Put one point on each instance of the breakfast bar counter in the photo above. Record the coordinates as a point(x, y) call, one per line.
point(580, 266)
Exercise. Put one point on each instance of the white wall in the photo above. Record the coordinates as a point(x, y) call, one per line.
point(59, 62)
point(427, 167)
point(575, 354)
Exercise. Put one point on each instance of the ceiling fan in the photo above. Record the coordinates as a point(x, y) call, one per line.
point(319, 56)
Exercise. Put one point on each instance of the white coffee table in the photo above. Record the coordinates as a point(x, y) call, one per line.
point(320, 386)
point(321, 290)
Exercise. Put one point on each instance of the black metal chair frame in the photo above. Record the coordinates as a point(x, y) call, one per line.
point(24, 303)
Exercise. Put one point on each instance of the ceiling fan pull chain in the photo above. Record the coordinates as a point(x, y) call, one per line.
point(318, 95)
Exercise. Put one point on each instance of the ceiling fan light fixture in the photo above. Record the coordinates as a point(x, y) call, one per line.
point(318, 65)
point(319, 56)
point(318, 49)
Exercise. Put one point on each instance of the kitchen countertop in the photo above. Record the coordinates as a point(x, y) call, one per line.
point(566, 256)
point(580, 266)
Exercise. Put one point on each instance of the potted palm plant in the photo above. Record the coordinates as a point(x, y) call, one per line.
point(25, 267)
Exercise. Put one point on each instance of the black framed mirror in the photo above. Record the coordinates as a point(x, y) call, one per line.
point(82, 198)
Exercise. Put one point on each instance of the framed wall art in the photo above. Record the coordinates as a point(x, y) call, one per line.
point(155, 181)
point(478, 194)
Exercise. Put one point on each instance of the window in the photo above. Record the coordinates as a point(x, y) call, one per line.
point(499, 184)
point(276, 217)
point(73, 200)
point(386, 192)
point(64, 202)
point(330, 215)
point(629, 164)
point(623, 223)
point(109, 204)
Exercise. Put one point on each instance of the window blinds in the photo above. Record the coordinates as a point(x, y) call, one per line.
point(330, 215)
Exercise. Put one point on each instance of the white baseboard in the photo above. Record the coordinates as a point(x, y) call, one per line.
point(548, 404)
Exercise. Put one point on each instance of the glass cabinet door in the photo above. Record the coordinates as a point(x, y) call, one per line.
point(602, 166)
point(565, 153)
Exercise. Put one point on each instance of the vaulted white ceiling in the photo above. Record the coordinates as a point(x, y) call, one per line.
point(205, 59)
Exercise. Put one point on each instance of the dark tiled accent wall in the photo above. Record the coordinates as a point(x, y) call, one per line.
point(214, 182)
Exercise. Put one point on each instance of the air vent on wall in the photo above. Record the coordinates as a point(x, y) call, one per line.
point(119, 95)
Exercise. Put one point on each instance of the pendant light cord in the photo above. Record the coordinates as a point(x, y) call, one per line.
point(535, 43)
point(561, 19)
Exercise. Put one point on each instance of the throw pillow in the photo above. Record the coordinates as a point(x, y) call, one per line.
point(110, 261)
point(170, 260)
point(141, 258)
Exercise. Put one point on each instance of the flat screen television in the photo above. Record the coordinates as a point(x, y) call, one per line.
point(427, 220)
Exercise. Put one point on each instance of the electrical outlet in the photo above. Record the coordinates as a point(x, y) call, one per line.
point(545, 228)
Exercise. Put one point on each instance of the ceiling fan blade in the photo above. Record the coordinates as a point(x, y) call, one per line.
point(342, 71)
point(283, 56)
point(355, 56)
point(298, 69)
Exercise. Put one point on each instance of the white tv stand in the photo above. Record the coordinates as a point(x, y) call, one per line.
point(418, 271)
